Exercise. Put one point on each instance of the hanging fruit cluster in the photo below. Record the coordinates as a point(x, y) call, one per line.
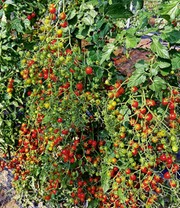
point(91, 135)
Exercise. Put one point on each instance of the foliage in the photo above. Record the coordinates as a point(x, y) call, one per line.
point(99, 115)
point(14, 24)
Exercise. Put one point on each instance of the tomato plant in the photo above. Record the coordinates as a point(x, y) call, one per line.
point(100, 120)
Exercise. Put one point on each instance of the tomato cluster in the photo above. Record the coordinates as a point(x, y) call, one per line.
point(31, 16)
point(10, 86)
point(90, 139)
point(144, 145)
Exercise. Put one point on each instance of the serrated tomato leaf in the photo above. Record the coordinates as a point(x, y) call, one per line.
point(158, 84)
point(159, 49)
point(108, 49)
point(118, 10)
point(171, 9)
point(139, 75)
point(176, 61)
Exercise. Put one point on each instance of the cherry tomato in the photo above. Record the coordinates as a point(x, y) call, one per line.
point(172, 116)
point(150, 102)
point(52, 10)
point(134, 104)
point(134, 89)
point(167, 175)
point(149, 117)
point(64, 24)
point(89, 70)
point(79, 86)
point(62, 16)
point(165, 101)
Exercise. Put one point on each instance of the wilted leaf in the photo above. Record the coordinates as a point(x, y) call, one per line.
point(126, 65)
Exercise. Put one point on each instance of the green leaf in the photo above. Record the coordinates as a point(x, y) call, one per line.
point(176, 61)
point(105, 178)
point(94, 2)
point(93, 203)
point(162, 202)
point(118, 10)
point(2, 140)
point(3, 19)
point(9, 2)
point(108, 49)
point(93, 13)
point(72, 14)
point(15, 103)
point(46, 119)
point(125, 3)
point(105, 183)
point(82, 33)
point(159, 49)
point(131, 31)
point(131, 41)
point(99, 72)
point(138, 4)
point(1, 121)
point(92, 56)
point(88, 20)
point(79, 36)
point(121, 195)
point(165, 72)
point(100, 23)
point(104, 30)
point(27, 23)
point(125, 111)
point(7, 58)
point(158, 84)
point(172, 37)
point(154, 71)
point(16, 25)
point(163, 65)
point(139, 75)
point(4, 47)
point(171, 9)
point(86, 6)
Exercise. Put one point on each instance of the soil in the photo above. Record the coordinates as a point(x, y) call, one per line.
point(6, 191)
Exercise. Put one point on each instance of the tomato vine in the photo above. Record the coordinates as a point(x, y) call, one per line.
point(90, 94)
